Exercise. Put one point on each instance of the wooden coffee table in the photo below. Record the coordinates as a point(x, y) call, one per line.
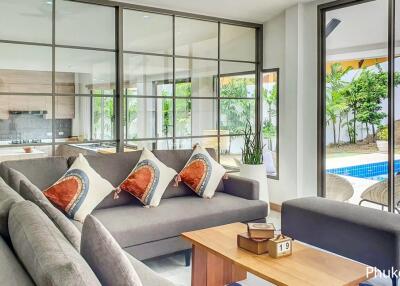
point(217, 261)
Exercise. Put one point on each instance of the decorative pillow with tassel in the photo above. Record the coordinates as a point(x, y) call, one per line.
point(202, 173)
point(79, 191)
point(148, 180)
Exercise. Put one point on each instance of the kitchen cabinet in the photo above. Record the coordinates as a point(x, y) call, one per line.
point(35, 83)
point(65, 107)
point(23, 103)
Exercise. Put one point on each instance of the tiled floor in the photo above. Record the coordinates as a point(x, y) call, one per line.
point(173, 267)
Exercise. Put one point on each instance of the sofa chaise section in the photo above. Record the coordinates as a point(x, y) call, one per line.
point(366, 235)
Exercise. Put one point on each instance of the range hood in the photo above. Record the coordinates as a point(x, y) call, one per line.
point(32, 112)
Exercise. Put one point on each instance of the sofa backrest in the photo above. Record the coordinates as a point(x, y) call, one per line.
point(42, 172)
point(47, 255)
point(116, 168)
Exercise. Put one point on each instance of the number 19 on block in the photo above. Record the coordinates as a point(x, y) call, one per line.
point(280, 246)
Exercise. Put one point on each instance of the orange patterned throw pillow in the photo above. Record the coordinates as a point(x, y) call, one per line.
point(202, 173)
point(148, 180)
point(79, 191)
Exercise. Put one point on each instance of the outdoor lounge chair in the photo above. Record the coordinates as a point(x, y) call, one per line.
point(338, 188)
point(378, 193)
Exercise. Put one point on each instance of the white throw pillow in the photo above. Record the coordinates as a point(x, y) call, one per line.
point(148, 180)
point(202, 173)
point(79, 190)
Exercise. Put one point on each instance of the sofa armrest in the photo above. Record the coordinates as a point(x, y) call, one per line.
point(363, 234)
point(241, 187)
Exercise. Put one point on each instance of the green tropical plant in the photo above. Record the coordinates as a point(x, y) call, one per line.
point(236, 111)
point(372, 89)
point(252, 151)
point(269, 129)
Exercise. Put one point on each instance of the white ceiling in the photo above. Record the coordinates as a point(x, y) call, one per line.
point(256, 11)
point(362, 32)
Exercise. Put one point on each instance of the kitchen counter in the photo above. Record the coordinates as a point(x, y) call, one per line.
point(18, 153)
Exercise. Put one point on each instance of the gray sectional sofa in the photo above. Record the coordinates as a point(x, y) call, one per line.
point(149, 232)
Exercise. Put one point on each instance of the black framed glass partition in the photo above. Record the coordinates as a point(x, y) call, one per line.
point(141, 76)
point(358, 95)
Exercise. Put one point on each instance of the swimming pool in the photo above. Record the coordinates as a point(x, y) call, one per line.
point(372, 171)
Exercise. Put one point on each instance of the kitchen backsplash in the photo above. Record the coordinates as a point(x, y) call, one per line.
point(32, 127)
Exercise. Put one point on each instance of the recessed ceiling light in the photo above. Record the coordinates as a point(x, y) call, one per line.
point(146, 16)
point(49, 2)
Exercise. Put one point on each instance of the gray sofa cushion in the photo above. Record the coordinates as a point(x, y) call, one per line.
point(177, 159)
point(12, 273)
point(31, 193)
point(131, 225)
point(42, 172)
point(46, 254)
point(105, 256)
point(114, 168)
point(146, 275)
point(7, 198)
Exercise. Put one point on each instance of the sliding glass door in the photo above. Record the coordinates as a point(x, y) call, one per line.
point(396, 83)
point(357, 115)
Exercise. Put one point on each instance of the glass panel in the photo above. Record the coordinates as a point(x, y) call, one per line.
point(83, 71)
point(77, 24)
point(397, 102)
point(149, 117)
point(84, 118)
point(25, 119)
point(196, 38)
point(237, 80)
point(26, 20)
point(270, 119)
point(356, 104)
point(238, 43)
point(231, 151)
point(189, 143)
point(25, 68)
point(229, 68)
point(148, 75)
point(103, 118)
point(150, 144)
point(147, 32)
point(201, 75)
point(196, 117)
point(234, 115)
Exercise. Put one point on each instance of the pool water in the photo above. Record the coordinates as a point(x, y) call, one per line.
point(372, 171)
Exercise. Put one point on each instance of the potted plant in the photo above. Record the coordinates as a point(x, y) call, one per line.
point(252, 166)
point(382, 139)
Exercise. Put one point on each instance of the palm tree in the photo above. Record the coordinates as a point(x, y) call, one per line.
point(335, 101)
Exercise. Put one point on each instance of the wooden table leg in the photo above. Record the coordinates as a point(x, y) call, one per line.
point(209, 269)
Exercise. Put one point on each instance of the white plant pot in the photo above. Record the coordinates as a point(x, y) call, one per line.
point(257, 173)
point(382, 145)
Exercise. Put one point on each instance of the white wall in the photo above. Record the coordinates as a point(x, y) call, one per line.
point(290, 43)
